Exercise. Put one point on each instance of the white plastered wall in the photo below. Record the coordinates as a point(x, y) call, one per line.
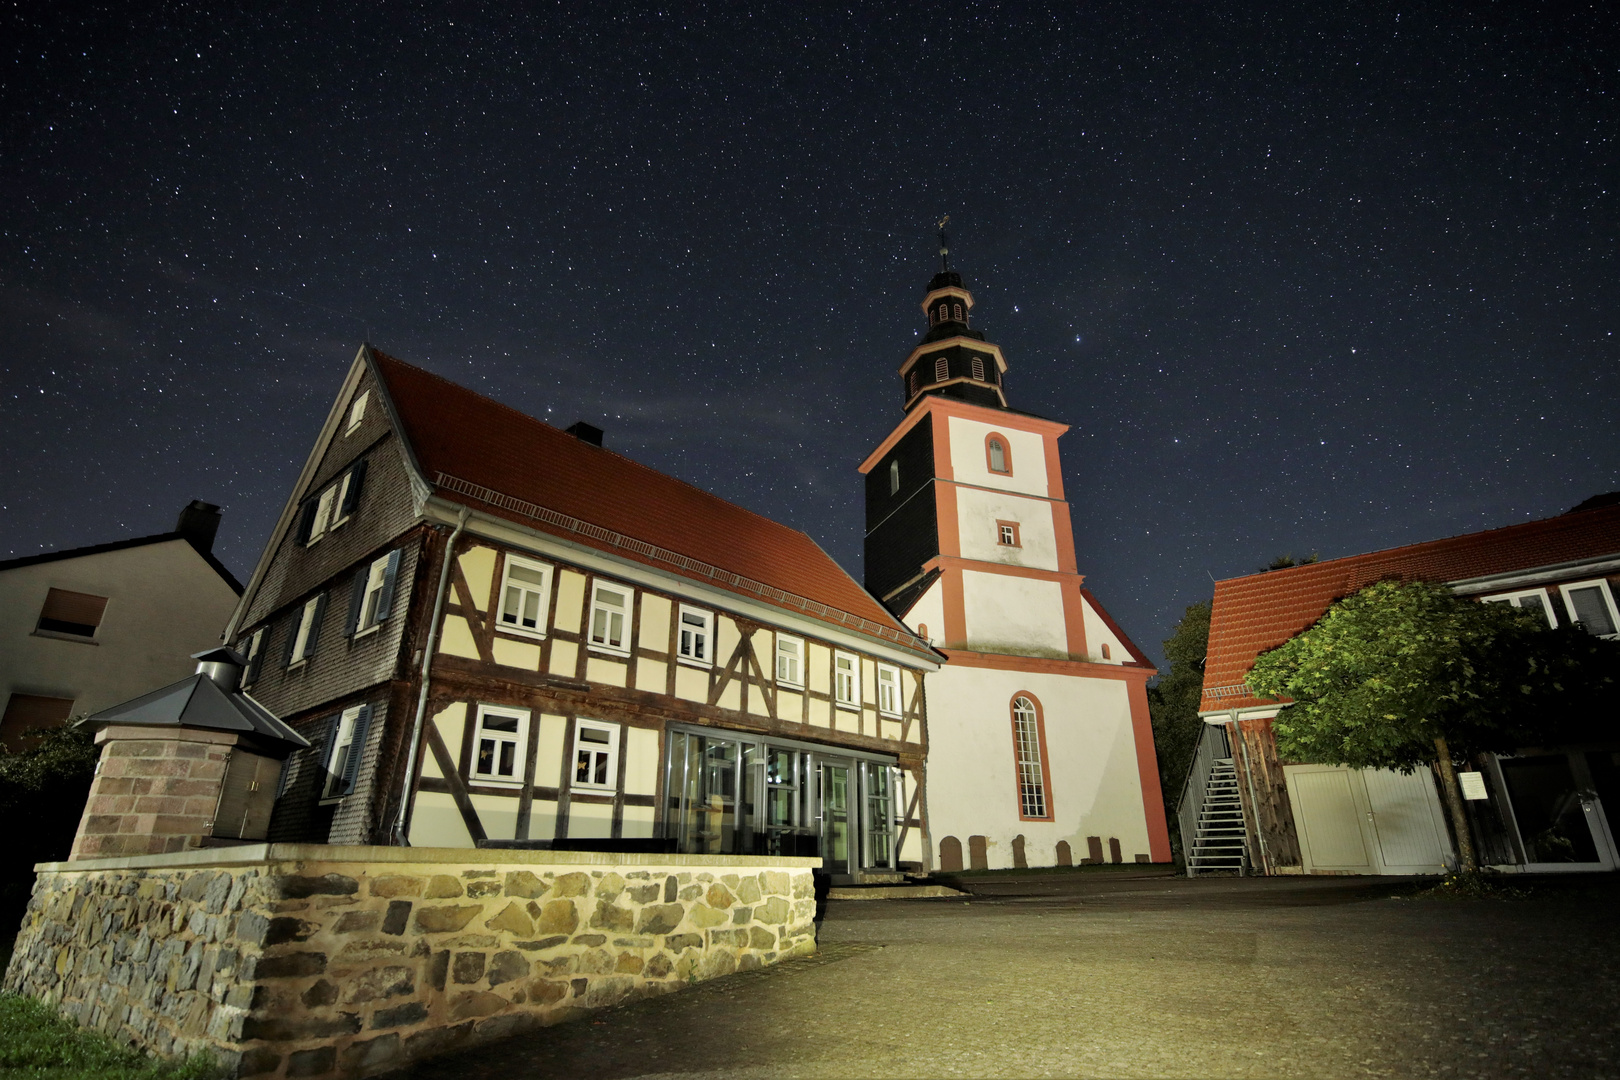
point(977, 514)
point(1098, 635)
point(1091, 752)
point(1007, 614)
point(929, 611)
point(1028, 451)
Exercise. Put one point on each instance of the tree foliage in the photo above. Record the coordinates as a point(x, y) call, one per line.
point(1173, 702)
point(1387, 671)
point(45, 785)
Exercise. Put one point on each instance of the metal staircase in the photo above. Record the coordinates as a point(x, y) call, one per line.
point(1219, 840)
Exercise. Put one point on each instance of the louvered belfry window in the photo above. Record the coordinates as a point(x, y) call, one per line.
point(942, 369)
point(1031, 778)
point(74, 613)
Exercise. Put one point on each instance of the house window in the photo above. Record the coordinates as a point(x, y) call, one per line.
point(1593, 606)
point(1107, 652)
point(1029, 746)
point(996, 454)
point(610, 613)
point(888, 690)
point(307, 630)
point(1534, 600)
point(334, 505)
point(75, 613)
point(322, 515)
point(789, 660)
point(252, 650)
point(894, 478)
point(696, 633)
point(978, 368)
point(374, 593)
point(942, 369)
point(345, 744)
point(357, 411)
point(847, 680)
point(1007, 534)
point(525, 596)
point(498, 756)
point(596, 753)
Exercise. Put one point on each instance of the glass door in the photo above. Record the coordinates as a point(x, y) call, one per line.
point(834, 789)
point(1557, 812)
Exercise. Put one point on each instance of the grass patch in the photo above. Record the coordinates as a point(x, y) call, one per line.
point(36, 1043)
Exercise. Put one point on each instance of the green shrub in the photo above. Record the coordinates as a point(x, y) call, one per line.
point(44, 784)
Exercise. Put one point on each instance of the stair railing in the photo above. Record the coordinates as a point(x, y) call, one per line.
point(1212, 744)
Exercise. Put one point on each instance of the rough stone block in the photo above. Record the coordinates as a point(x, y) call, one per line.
point(541, 944)
point(660, 918)
point(358, 922)
point(285, 929)
point(476, 1003)
point(396, 885)
point(379, 983)
point(575, 884)
point(467, 967)
point(702, 915)
point(546, 991)
point(320, 993)
point(761, 938)
point(410, 1012)
point(643, 894)
point(291, 966)
point(399, 912)
point(775, 882)
point(285, 1028)
point(507, 966)
point(629, 964)
point(292, 887)
point(522, 883)
point(316, 1062)
point(658, 967)
point(612, 917)
point(445, 920)
point(373, 1055)
point(439, 969)
point(719, 896)
point(512, 920)
point(258, 1060)
point(478, 890)
point(364, 952)
point(748, 890)
point(773, 912)
point(677, 943)
point(442, 886)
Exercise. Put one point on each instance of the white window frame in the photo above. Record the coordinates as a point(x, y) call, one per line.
point(342, 489)
point(301, 632)
point(847, 685)
point(610, 751)
point(376, 578)
point(892, 684)
point(331, 787)
point(518, 740)
point(324, 508)
point(1515, 598)
point(1602, 585)
point(705, 629)
point(628, 595)
point(250, 649)
point(543, 594)
point(357, 411)
point(790, 661)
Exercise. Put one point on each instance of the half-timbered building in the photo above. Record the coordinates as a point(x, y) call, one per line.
point(1040, 745)
point(495, 631)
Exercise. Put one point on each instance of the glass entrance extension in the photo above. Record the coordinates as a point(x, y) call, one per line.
point(729, 793)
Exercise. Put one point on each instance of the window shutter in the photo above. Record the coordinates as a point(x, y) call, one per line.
point(385, 602)
point(292, 636)
point(256, 661)
point(351, 498)
point(306, 520)
point(356, 594)
point(357, 747)
point(331, 741)
point(286, 774)
point(315, 626)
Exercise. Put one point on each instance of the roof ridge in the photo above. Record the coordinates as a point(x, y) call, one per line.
point(622, 457)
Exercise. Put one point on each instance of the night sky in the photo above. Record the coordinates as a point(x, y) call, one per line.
point(1324, 278)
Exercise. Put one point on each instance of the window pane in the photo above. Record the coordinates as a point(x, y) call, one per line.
point(525, 574)
point(496, 722)
point(1590, 610)
point(508, 754)
point(593, 735)
point(582, 767)
point(486, 756)
point(531, 611)
point(1534, 603)
point(601, 768)
point(609, 599)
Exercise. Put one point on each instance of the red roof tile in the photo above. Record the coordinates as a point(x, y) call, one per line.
point(1259, 612)
point(456, 433)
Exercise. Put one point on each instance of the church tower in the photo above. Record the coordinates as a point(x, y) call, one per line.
point(1040, 745)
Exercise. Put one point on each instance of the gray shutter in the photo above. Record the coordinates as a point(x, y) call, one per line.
point(385, 602)
point(357, 748)
point(315, 626)
point(331, 743)
point(351, 497)
point(256, 661)
point(306, 520)
point(357, 593)
point(292, 636)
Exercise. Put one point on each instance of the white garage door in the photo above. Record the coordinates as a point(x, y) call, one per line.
point(1367, 821)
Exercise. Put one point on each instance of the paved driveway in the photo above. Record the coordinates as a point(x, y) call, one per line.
point(1129, 974)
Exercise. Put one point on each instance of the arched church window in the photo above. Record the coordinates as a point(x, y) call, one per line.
point(978, 369)
point(942, 369)
point(996, 455)
point(894, 477)
point(1029, 748)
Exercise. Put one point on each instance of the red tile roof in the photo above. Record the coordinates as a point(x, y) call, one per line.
point(465, 442)
point(1259, 612)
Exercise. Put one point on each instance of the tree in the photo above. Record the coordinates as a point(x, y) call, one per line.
point(1407, 674)
point(1173, 703)
point(44, 784)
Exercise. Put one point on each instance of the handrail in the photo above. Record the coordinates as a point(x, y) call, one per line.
point(1196, 786)
point(726, 578)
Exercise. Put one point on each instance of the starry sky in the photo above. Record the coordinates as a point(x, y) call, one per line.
point(1303, 277)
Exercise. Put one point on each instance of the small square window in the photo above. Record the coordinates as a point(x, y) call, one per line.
point(499, 745)
point(525, 597)
point(1007, 534)
point(610, 618)
point(888, 690)
point(357, 411)
point(1593, 606)
point(847, 680)
point(596, 756)
point(789, 660)
point(695, 637)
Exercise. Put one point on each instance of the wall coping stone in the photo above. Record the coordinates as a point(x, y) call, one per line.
point(260, 854)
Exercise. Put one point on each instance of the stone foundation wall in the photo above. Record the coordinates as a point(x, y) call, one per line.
point(314, 961)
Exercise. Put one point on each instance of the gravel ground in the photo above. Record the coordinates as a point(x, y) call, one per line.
point(1136, 974)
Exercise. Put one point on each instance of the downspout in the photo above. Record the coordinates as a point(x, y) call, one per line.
point(427, 663)
point(1254, 800)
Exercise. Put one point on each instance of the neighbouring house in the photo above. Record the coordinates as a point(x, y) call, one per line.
point(495, 631)
point(1040, 746)
point(93, 626)
point(1542, 809)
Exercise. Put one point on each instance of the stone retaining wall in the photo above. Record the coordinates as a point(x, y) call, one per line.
point(311, 960)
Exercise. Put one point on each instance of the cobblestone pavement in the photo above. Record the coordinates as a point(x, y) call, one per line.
point(1131, 974)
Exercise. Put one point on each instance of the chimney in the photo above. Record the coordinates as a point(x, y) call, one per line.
point(198, 523)
point(585, 433)
point(223, 666)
